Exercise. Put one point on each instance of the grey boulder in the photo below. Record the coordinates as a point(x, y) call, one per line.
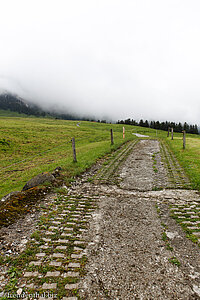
point(39, 179)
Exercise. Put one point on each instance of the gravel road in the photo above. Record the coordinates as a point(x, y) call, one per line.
point(129, 253)
point(119, 232)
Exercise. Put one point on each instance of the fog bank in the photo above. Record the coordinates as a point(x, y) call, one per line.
point(120, 59)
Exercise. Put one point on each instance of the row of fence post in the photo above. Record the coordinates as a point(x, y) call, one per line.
point(172, 135)
point(112, 140)
point(74, 147)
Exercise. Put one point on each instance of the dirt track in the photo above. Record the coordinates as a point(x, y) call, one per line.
point(129, 259)
point(121, 222)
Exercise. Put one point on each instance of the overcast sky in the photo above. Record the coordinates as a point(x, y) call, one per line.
point(116, 58)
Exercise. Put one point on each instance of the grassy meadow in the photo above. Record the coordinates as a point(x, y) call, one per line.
point(29, 146)
point(188, 158)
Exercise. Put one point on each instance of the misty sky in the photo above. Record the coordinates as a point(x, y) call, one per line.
point(137, 59)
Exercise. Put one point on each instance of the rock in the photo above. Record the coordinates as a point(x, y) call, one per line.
point(39, 179)
point(171, 235)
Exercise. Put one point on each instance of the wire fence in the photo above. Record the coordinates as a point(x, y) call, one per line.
point(33, 156)
point(29, 159)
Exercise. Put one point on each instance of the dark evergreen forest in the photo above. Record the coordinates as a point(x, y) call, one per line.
point(177, 127)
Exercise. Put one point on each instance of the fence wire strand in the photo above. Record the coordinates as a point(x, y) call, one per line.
point(43, 152)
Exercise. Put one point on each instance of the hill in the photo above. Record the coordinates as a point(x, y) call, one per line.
point(13, 103)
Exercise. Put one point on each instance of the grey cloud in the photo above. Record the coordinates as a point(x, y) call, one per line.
point(117, 58)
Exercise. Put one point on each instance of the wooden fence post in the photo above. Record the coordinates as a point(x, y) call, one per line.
point(111, 134)
point(168, 131)
point(123, 132)
point(184, 138)
point(74, 149)
point(172, 131)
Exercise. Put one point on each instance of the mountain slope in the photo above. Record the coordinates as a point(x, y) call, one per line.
point(17, 104)
point(14, 103)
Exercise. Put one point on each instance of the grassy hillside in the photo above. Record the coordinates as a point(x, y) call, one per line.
point(29, 146)
point(188, 158)
point(8, 113)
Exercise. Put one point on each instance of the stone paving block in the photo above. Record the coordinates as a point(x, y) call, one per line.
point(49, 286)
point(31, 274)
point(71, 223)
point(53, 227)
point(55, 263)
point(46, 240)
point(61, 247)
point(188, 222)
point(68, 229)
point(35, 263)
point(67, 234)
point(78, 249)
point(74, 265)
point(58, 255)
point(38, 255)
point(71, 274)
point(193, 227)
point(78, 242)
point(85, 220)
point(63, 241)
point(71, 286)
point(49, 232)
point(30, 286)
point(53, 274)
point(76, 256)
point(44, 247)
point(197, 234)
point(82, 229)
point(56, 222)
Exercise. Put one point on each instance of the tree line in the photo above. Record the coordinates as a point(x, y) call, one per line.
point(178, 127)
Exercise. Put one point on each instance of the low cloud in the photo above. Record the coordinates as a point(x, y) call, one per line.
point(118, 59)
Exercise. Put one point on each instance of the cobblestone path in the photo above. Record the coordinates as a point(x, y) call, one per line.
point(124, 231)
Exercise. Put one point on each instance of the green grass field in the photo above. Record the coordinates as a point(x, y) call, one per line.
point(188, 158)
point(29, 146)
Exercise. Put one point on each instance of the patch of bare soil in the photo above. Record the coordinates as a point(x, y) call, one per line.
point(13, 238)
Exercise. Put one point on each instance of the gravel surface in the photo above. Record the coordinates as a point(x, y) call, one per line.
point(122, 223)
point(128, 258)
